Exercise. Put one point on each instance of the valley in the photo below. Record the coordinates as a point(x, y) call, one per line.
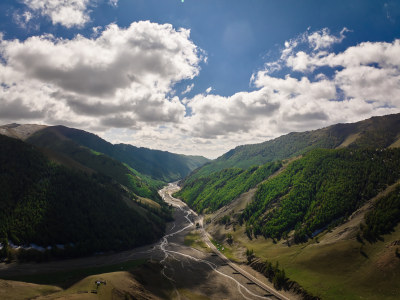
point(312, 215)
point(187, 273)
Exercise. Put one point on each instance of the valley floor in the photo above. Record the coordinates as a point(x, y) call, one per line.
point(168, 269)
point(185, 264)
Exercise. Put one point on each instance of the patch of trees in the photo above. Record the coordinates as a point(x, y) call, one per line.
point(47, 204)
point(220, 188)
point(320, 189)
point(383, 218)
point(60, 147)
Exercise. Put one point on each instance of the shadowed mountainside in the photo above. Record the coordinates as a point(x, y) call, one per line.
point(159, 165)
point(48, 204)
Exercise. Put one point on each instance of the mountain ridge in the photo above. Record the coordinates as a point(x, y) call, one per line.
point(157, 164)
point(383, 131)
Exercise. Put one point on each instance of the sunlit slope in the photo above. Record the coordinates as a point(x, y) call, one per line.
point(321, 189)
point(209, 193)
point(376, 132)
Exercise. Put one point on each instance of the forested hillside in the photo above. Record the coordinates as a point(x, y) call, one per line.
point(376, 132)
point(207, 194)
point(65, 150)
point(159, 165)
point(383, 218)
point(320, 189)
point(48, 204)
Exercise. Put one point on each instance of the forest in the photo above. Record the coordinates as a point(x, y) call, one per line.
point(207, 194)
point(47, 204)
point(319, 190)
point(383, 218)
point(64, 150)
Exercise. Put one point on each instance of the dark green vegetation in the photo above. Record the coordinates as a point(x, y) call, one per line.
point(220, 188)
point(47, 204)
point(75, 156)
point(320, 189)
point(377, 132)
point(383, 217)
point(159, 165)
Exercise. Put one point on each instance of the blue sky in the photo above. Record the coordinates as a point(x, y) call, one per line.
point(252, 70)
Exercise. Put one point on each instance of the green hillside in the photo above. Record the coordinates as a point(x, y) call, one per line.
point(322, 188)
point(210, 193)
point(159, 165)
point(47, 204)
point(378, 132)
point(65, 150)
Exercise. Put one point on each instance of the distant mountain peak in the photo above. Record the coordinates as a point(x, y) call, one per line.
point(20, 131)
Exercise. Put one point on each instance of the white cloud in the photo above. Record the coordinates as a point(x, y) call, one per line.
point(121, 76)
point(188, 89)
point(322, 39)
point(68, 13)
point(364, 81)
point(120, 83)
point(208, 90)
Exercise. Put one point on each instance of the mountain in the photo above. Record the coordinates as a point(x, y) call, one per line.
point(323, 204)
point(335, 170)
point(48, 204)
point(321, 189)
point(19, 131)
point(376, 132)
point(159, 165)
point(73, 155)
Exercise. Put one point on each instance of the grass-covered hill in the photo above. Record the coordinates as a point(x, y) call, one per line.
point(376, 132)
point(45, 203)
point(159, 165)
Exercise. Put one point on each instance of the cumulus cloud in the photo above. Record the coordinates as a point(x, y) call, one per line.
point(364, 81)
point(120, 83)
point(322, 39)
point(68, 13)
point(121, 73)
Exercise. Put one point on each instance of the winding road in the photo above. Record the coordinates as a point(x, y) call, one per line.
point(190, 271)
point(251, 289)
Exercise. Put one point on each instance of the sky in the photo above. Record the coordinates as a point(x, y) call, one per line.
point(198, 77)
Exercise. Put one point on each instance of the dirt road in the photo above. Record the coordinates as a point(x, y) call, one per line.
point(190, 271)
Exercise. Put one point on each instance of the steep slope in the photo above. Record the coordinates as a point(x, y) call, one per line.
point(320, 189)
point(330, 217)
point(376, 132)
point(47, 204)
point(159, 165)
point(71, 154)
point(220, 188)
